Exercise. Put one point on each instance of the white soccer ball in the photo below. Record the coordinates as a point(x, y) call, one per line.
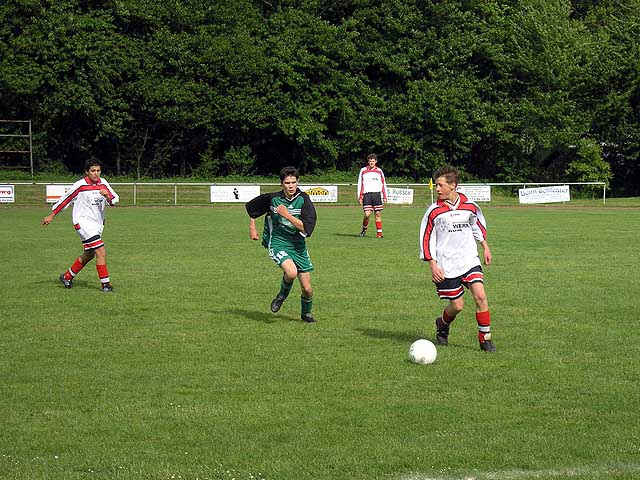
point(422, 352)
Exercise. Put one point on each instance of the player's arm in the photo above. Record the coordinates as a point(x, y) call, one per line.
point(48, 219)
point(428, 245)
point(437, 275)
point(253, 232)
point(256, 207)
point(308, 216)
point(384, 187)
point(63, 202)
point(108, 193)
point(283, 211)
point(488, 258)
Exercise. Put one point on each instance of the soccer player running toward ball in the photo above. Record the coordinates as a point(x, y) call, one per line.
point(90, 196)
point(449, 231)
point(372, 194)
point(290, 218)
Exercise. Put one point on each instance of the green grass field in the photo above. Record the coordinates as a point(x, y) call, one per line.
point(183, 373)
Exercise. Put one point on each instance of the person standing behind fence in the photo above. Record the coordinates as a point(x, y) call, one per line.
point(449, 231)
point(90, 196)
point(372, 194)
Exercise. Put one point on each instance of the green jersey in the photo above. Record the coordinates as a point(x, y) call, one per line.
point(278, 229)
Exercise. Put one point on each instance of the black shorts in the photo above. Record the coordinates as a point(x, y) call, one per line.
point(452, 288)
point(372, 201)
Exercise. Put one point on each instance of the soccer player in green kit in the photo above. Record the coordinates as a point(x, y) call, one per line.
point(290, 218)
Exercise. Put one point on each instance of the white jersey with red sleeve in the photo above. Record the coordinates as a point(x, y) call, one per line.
point(448, 234)
point(371, 180)
point(88, 203)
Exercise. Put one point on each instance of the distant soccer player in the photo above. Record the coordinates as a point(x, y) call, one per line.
point(372, 194)
point(448, 234)
point(290, 218)
point(89, 196)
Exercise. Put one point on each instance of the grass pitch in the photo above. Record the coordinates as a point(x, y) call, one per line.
point(183, 373)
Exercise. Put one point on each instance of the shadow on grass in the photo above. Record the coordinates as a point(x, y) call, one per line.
point(352, 235)
point(400, 337)
point(407, 337)
point(82, 284)
point(263, 317)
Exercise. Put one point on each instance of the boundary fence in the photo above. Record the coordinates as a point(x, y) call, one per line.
point(193, 194)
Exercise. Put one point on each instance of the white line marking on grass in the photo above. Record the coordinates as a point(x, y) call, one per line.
point(603, 471)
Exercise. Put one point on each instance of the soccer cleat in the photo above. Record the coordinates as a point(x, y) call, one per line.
point(307, 318)
point(106, 288)
point(277, 303)
point(363, 232)
point(379, 236)
point(487, 346)
point(442, 332)
point(65, 282)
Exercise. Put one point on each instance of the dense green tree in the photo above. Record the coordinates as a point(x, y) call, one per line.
point(519, 90)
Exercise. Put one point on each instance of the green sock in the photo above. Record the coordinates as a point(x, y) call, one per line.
point(285, 288)
point(305, 305)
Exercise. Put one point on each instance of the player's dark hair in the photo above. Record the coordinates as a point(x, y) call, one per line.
point(92, 162)
point(289, 172)
point(372, 155)
point(450, 174)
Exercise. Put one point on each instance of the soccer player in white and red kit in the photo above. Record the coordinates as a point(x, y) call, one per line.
point(449, 231)
point(90, 196)
point(372, 194)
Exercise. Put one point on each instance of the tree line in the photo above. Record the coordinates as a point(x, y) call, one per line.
point(532, 90)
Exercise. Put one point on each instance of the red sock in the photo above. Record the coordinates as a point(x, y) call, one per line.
point(379, 227)
point(103, 273)
point(484, 325)
point(73, 270)
point(446, 318)
point(365, 223)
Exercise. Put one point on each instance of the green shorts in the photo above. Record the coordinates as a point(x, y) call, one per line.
point(279, 252)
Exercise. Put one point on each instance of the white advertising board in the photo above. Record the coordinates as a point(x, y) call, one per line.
point(234, 193)
point(558, 193)
point(400, 195)
point(476, 193)
point(7, 194)
point(54, 192)
point(321, 193)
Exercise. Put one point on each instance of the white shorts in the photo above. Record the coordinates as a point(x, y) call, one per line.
point(90, 235)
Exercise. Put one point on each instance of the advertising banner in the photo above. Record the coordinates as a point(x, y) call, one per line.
point(7, 194)
point(54, 192)
point(400, 195)
point(559, 193)
point(234, 193)
point(476, 193)
point(321, 193)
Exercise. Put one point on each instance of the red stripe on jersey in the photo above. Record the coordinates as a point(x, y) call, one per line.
point(427, 231)
point(74, 194)
point(472, 208)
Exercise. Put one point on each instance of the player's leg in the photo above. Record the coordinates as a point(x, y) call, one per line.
point(67, 277)
point(483, 316)
point(289, 274)
point(378, 216)
point(103, 271)
point(367, 209)
point(450, 289)
point(443, 322)
point(89, 240)
point(306, 297)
